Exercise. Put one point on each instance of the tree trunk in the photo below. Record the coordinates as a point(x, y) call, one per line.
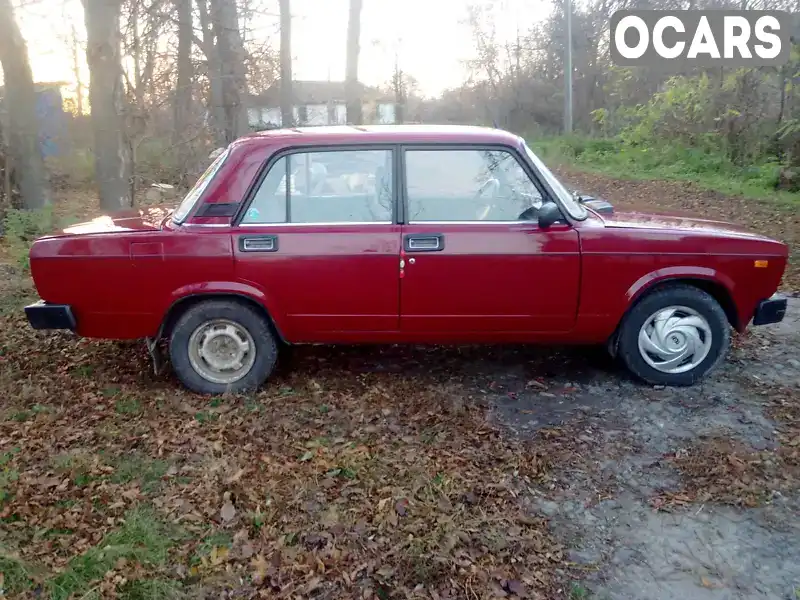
point(138, 88)
point(183, 90)
point(112, 152)
point(353, 94)
point(22, 126)
point(76, 70)
point(287, 113)
point(230, 47)
point(215, 101)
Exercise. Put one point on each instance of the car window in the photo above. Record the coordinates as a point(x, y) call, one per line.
point(188, 202)
point(574, 208)
point(342, 186)
point(468, 185)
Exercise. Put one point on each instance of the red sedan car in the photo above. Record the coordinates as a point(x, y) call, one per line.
point(402, 234)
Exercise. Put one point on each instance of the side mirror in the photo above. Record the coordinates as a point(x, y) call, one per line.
point(549, 213)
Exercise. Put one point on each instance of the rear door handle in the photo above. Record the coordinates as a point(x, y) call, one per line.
point(423, 242)
point(258, 243)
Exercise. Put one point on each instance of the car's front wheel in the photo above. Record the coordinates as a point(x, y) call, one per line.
point(220, 346)
point(674, 336)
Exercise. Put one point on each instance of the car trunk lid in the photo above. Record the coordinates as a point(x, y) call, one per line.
point(149, 219)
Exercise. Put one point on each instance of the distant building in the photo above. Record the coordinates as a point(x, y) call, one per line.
point(49, 113)
point(318, 103)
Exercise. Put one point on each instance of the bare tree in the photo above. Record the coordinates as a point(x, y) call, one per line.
point(112, 152)
point(232, 60)
point(214, 74)
point(183, 89)
point(20, 102)
point(287, 113)
point(74, 44)
point(353, 93)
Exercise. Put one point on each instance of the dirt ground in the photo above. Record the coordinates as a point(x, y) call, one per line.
point(394, 472)
point(626, 511)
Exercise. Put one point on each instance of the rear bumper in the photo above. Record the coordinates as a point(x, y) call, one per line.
point(771, 310)
point(42, 315)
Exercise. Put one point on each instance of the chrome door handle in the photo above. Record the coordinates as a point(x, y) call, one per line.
point(423, 242)
point(258, 243)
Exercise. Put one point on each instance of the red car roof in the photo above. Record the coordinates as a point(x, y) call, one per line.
point(389, 134)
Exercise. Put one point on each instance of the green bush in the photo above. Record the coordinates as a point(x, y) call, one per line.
point(665, 159)
point(22, 227)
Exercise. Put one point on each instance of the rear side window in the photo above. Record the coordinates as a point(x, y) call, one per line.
point(188, 202)
point(468, 185)
point(342, 186)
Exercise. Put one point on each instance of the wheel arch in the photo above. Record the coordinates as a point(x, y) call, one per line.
point(713, 287)
point(180, 305)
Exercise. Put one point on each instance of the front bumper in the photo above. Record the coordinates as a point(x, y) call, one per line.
point(771, 310)
point(42, 315)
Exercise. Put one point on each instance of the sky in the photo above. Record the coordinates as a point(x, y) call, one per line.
point(429, 37)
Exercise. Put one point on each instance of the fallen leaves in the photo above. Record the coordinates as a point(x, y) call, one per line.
point(725, 470)
point(293, 494)
point(401, 507)
point(227, 512)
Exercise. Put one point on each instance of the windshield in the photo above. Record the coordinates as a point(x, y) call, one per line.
point(573, 207)
point(200, 185)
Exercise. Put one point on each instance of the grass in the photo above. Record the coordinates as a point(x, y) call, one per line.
point(7, 478)
point(148, 471)
point(578, 592)
point(206, 417)
point(210, 545)
point(151, 589)
point(128, 406)
point(612, 157)
point(142, 538)
point(77, 465)
point(17, 576)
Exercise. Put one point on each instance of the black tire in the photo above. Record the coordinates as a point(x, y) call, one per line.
point(245, 316)
point(675, 295)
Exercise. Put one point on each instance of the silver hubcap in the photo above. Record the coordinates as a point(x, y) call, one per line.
point(222, 351)
point(675, 339)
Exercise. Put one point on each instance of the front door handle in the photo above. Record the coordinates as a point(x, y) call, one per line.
point(258, 243)
point(423, 242)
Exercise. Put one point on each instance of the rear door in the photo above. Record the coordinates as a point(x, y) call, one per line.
point(324, 249)
point(475, 260)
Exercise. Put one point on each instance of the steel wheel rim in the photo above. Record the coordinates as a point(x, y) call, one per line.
point(675, 339)
point(222, 351)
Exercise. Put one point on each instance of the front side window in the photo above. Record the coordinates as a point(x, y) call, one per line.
point(468, 185)
point(342, 186)
point(188, 202)
point(574, 208)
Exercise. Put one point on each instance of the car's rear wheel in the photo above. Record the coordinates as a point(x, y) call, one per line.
point(220, 346)
point(674, 336)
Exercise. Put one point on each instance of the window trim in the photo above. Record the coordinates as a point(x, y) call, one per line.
point(527, 167)
point(254, 186)
point(565, 210)
point(212, 171)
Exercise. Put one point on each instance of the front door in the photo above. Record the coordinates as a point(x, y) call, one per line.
point(475, 260)
point(324, 249)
